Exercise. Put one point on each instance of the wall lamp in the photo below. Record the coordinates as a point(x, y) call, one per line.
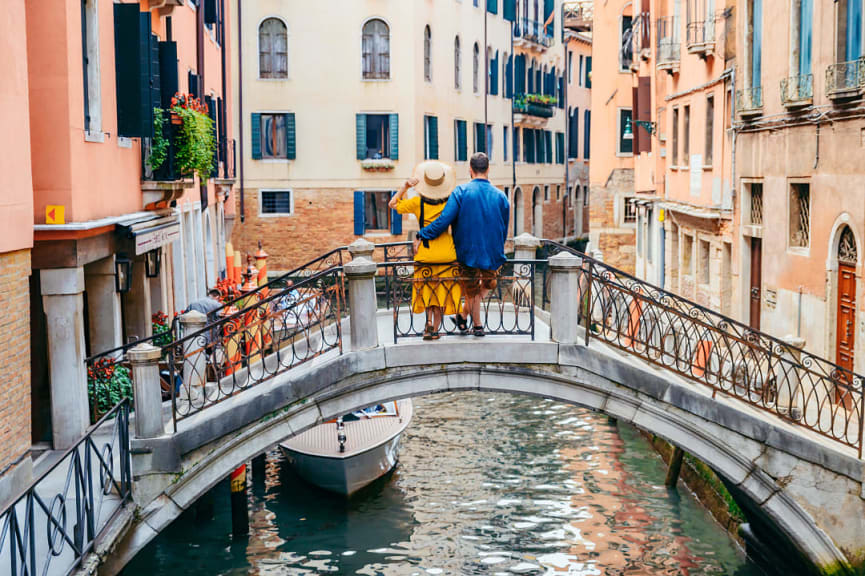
point(153, 262)
point(122, 273)
point(629, 131)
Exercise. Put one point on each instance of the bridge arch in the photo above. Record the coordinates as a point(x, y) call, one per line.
point(684, 416)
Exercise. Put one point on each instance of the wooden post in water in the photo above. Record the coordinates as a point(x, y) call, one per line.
point(259, 464)
point(239, 511)
point(675, 467)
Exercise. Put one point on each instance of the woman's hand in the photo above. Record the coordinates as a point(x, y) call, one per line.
point(410, 183)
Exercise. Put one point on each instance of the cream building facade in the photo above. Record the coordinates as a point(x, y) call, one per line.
point(331, 127)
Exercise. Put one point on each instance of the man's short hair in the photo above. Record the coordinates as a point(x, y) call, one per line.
point(213, 293)
point(480, 163)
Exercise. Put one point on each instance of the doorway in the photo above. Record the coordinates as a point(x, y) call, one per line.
point(845, 327)
point(755, 290)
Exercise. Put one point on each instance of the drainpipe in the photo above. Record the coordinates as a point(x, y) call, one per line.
point(662, 277)
point(513, 96)
point(567, 150)
point(486, 78)
point(240, 102)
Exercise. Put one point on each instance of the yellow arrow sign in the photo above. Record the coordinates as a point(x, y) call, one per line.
point(55, 214)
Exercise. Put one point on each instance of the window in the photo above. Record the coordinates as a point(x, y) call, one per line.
point(630, 213)
point(374, 136)
point(686, 136)
point(705, 250)
point(710, 130)
point(375, 210)
point(580, 77)
point(560, 147)
point(427, 54)
point(480, 138)
point(505, 143)
point(431, 137)
point(574, 134)
point(546, 193)
point(756, 207)
point(275, 136)
point(675, 136)
point(558, 192)
point(848, 30)
point(90, 52)
point(489, 147)
point(516, 144)
point(585, 195)
point(688, 254)
point(272, 49)
point(458, 83)
point(588, 83)
point(376, 50)
point(754, 43)
point(277, 202)
point(570, 67)
point(800, 215)
point(626, 46)
point(460, 141)
point(587, 130)
point(624, 146)
point(800, 45)
point(476, 56)
point(650, 248)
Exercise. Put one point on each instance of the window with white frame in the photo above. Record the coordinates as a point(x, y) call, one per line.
point(800, 215)
point(277, 202)
point(376, 50)
point(272, 49)
point(629, 214)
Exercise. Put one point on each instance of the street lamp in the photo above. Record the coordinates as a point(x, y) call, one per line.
point(152, 262)
point(122, 273)
point(629, 131)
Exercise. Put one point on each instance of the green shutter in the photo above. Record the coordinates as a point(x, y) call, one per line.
point(394, 136)
point(255, 126)
point(434, 137)
point(358, 213)
point(549, 8)
point(560, 147)
point(462, 144)
point(360, 123)
point(493, 6)
point(509, 10)
point(290, 147)
point(548, 145)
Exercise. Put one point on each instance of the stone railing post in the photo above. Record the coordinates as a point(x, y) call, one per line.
point(361, 248)
point(148, 393)
point(194, 354)
point(564, 297)
point(360, 273)
point(790, 390)
point(525, 246)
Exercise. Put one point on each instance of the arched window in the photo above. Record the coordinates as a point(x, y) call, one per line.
point(458, 83)
point(476, 64)
point(490, 71)
point(427, 54)
point(376, 50)
point(272, 49)
point(847, 253)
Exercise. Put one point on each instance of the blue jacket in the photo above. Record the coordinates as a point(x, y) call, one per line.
point(479, 213)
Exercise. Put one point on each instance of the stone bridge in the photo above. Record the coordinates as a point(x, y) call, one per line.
point(762, 425)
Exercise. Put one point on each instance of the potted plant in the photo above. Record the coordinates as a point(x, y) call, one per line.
point(107, 384)
point(191, 134)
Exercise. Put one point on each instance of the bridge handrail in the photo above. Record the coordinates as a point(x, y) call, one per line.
point(41, 522)
point(709, 348)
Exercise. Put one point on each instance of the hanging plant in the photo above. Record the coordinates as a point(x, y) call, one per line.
point(159, 144)
point(194, 141)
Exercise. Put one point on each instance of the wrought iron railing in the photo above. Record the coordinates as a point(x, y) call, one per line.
point(507, 306)
point(533, 109)
point(669, 46)
point(578, 15)
point(700, 34)
point(749, 100)
point(716, 351)
point(243, 349)
point(641, 33)
point(52, 526)
point(535, 32)
point(797, 89)
point(845, 77)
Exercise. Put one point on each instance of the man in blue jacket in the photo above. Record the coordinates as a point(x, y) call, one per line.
point(478, 213)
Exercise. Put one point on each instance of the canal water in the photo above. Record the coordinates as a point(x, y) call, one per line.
point(487, 484)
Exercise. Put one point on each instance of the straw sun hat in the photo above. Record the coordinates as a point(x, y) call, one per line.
point(436, 180)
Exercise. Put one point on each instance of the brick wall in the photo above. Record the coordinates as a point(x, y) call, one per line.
point(616, 241)
point(14, 357)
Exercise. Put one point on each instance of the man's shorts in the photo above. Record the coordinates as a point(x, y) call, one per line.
point(475, 280)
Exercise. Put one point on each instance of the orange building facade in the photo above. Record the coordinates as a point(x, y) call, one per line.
point(116, 239)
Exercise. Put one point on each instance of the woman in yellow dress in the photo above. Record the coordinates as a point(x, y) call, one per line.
point(435, 288)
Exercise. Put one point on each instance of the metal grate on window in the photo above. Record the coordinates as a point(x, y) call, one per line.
point(630, 215)
point(800, 215)
point(757, 204)
point(276, 202)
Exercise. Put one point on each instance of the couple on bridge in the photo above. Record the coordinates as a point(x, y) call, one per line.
point(460, 246)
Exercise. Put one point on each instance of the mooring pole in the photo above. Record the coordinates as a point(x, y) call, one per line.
point(675, 467)
point(239, 511)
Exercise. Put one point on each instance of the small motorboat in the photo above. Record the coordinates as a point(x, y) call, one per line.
point(348, 453)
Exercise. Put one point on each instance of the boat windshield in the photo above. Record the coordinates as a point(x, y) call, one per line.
point(374, 411)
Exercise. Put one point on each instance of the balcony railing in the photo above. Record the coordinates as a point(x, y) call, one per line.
point(797, 90)
point(641, 35)
point(533, 31)
point(749, 102)
point(845, 79)
point(701, 35)
point(577, 16)
point(669, 45)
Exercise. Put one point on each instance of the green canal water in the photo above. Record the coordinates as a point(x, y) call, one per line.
point(487, 484)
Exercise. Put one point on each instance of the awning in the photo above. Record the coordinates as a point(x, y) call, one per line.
point(150, 234)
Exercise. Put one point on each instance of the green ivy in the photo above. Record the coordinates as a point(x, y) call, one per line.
point(159, 143)
point(196, 143)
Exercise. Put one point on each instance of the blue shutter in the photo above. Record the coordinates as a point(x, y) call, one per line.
point(255, 126)
point(462, 141)
point(493, 6)
point(561, 92)
point(587, 130)
point(757, 45)
point(396, 222)
point(360, 131)
point(509, 10)
point(394, 136)
point(560, 147)
point(806, 26)
point(358, 213)
point(290, 147)
point(509, 77)
point(434, 137)
point(854, 29)
point(549, 7)
point(520, 70)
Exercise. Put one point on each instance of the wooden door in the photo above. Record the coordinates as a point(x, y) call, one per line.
point(845, 330)
point(756, 281)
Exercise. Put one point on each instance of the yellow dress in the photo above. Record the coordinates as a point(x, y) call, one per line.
point(430, 287)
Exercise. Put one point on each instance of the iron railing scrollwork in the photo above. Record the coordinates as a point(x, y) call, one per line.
point(797, 89)
point(716, 351)
point(668, 43)
point(507, 309)
point(844, 77)
point(54, 524)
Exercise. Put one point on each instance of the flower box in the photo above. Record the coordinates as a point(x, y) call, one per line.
point(377, 164)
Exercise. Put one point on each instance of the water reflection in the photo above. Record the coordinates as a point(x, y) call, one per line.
point(487, 484)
